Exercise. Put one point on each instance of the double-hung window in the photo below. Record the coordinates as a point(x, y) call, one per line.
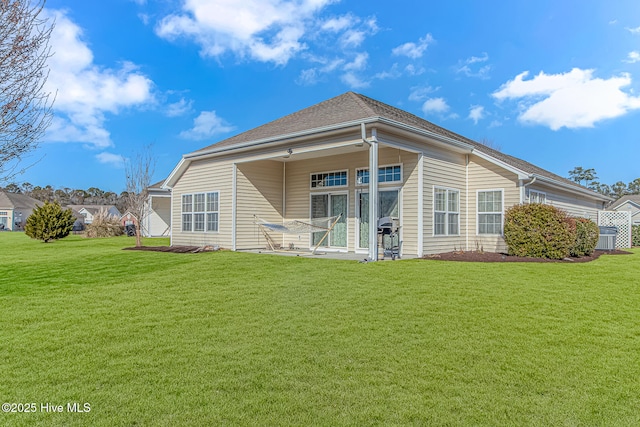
point(446, 212)
point(537, 197)
point(490, 212)
point(200, 212)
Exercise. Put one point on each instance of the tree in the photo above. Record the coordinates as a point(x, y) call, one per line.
point(25, 107)
point(138, 179)
point(634, 186)
point(579, 174)
point(13, 188)
point(49, 222)
point(619, 189)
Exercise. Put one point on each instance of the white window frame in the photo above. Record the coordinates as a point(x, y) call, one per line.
point(478, 213)
point(320, 183)
point(194, 210)
point(539, 194)
point(446, 212)
point(380, 182)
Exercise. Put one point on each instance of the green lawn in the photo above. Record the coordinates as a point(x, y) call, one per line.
point(161, 339)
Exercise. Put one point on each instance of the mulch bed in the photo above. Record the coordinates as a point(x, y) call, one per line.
point(473, 256)
point(173, 249)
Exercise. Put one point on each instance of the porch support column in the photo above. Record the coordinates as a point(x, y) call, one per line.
point(234, 203)
point(420, 205)
point(373, 196)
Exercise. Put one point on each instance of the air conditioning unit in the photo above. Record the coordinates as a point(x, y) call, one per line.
point(607, 239)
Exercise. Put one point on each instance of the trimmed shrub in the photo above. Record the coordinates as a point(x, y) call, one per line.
point(49, 222)
point(635, 235)
point(538, 230)
point(587, 235)
point(104, 225)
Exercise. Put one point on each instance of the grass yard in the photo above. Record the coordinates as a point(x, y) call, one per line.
point(162, 339)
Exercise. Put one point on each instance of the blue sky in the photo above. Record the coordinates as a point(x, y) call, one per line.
point(556, 83)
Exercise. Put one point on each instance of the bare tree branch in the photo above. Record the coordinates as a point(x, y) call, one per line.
point(139, 172)
point(25, 107)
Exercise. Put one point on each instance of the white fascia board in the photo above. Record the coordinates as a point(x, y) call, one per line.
point(431, 135)
point(521, 174)
point(280, 138)
point(175, 174)
point(584, 191)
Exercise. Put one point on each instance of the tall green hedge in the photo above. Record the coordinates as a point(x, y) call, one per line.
point(544, 231)
point(587, 234)
point(538, 230)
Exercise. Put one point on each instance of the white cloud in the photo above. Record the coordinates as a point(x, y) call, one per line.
point(358, 63)
point(85, 91)
point(111, 159)
point(264, 30)
point(466, 67)
point(414, 50)
point(435, 105)
point(633, 57)
point(178, 108)
point(420, 93)
point(207, 125)
point(634, 30)
point(574, 100)
point(339, 24)
point(476, 113)
point(354, 81)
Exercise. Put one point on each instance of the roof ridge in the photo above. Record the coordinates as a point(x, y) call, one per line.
point(364, 102)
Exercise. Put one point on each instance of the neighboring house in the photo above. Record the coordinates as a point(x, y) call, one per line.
point(128, 219)
point(89, 211)
point(157, 220)
point(629, 203)
point(448, 192)
point(15, 209)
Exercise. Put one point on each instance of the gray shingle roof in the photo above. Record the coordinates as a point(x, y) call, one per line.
point(15, 200)
point(635, 198)
point(352, 106)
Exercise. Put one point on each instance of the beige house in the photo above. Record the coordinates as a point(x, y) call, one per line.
point(447, 192)
point(15, 209)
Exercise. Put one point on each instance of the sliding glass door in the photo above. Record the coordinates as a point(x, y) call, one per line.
point(388, 205)
point(328, 206)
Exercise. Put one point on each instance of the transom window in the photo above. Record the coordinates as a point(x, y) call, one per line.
point(200, 212)
point(490, 212)
point(537, 197)
point(386, 174)
point(446, 212)
point(329, 179)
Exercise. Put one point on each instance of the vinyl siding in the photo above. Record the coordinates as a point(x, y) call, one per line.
point(448, 170)
point(298, 191)
point(204, 176)
point(484, 175)
point(573, 204)
point(259, 193)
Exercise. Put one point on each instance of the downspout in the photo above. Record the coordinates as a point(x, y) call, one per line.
point(373, 196)
point(524, 191)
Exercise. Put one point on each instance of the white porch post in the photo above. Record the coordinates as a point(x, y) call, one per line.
point(373, 196)
point(234, 202)
point(420, 205)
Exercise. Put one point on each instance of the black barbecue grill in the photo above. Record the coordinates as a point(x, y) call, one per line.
point(389, 235)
